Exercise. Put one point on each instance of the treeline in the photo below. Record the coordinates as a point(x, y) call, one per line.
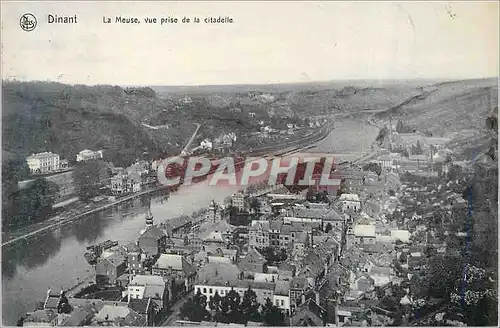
point(65, 119)
point(22, 207)
point(232, 308)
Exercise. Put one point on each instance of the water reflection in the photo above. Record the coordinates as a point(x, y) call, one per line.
point(29, 253)
point(89, 229)
point(55, 258)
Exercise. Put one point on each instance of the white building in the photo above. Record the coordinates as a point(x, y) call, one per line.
point(206, 144)
point(148, 286)
point(208, 288)
point(259, 234)
point(386, 162)
point(281, 297)
point(350, 202)
point(401, 235)
point(364, 234)
point(87, 154)
point(43, 162)
point(238, 201)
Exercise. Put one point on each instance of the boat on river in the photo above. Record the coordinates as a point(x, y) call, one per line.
point(94, 251)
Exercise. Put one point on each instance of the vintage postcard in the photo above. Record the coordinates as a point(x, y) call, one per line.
point(221, 163)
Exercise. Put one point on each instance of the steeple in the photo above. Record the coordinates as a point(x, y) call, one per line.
point(149, 215)
point(213, 209)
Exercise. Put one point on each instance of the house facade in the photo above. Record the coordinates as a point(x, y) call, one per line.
point(87, 154)
point(153, 241)
point(43, 163)
point(109, 269)
point(149, 286)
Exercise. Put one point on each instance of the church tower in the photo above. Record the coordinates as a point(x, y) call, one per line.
point(213, 212)
point(149, 218)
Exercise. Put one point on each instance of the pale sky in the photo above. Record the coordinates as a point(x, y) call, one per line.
point(269, 42)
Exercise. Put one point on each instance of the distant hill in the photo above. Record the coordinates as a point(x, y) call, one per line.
point(455, 109)
point(290, 87)
point(47, 116)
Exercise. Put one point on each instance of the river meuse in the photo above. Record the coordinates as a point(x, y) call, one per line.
point(55, 258)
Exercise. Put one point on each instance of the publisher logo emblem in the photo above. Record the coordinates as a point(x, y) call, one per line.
point(27, 22)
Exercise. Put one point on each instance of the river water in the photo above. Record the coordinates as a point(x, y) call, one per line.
point(54, 259)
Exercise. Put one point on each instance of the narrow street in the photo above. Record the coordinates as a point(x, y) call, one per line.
point(175, 311)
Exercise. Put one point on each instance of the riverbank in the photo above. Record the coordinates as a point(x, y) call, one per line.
point(61, 220)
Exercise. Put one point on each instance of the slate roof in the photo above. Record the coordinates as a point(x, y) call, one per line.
point(139, 305)
point(252, 258)
point(145, 280)
point(78, 317)
point(333, 215)
point(132, 248)
point(260, 225)
point(41, 316)
point(286, 267)
point(214, 237)
point(52, 300)
point(286, 229)
point(221, 272)
point(254, 284)
point(115, 259)
point(312, 264)
point(153, 232)
point(154, 291)
point(112, 312)
point(309, 213)
point(176, 262)
point(282, 288)
point(275, 224)
point(363, 230)
point(349, 197)
point(299, 283)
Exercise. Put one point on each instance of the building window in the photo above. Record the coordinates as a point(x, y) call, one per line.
point(282, 303)
point(204, 290)
point(198, 290)
point(277, 302)
point(210, 290)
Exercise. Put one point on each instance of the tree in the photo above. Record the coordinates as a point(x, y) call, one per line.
point(232, 301)
point(215, 305)
point(195, 308)
point(32, 204)
point(64, 306)
point(328, 227)
point(382, 134)
point(373, 167)
point(89, 176)
point(13, 171)
point(254, 204)
point(310, 195)
point(417, 150)
point(399, 126)
point(343, 187)
point(249, 306)
point(272, 315)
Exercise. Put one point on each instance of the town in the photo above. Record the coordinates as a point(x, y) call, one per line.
point(368, 253)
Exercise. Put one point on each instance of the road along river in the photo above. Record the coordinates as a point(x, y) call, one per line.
point(54, 258)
